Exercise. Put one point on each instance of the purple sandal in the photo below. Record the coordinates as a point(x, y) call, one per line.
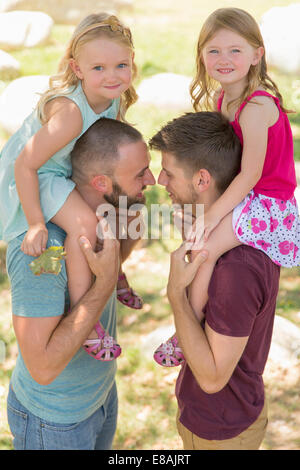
point(169, 354)
point(109, 349)
point(128, 297)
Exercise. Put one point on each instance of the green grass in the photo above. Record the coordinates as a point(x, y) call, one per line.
point(165, 35)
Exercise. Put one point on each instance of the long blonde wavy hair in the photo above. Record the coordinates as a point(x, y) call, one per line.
point(91, 27)
point(239, 21)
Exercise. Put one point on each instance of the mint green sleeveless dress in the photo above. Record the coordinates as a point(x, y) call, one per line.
point(54, 176)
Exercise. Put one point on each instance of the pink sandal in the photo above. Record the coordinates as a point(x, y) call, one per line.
point(169, 354)
point(109, 349)
point(128, 297)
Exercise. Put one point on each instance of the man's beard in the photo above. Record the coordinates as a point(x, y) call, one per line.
point(190, 198)
point(117, 191)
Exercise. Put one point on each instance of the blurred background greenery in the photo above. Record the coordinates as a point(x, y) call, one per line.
point(165, 35)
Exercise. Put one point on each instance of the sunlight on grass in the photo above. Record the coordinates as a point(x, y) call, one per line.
point(147, 408)
point(288, 300)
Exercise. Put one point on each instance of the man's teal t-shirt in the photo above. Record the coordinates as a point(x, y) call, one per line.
point(82, 387)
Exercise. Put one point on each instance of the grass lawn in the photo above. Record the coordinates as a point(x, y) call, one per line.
point(165, 35)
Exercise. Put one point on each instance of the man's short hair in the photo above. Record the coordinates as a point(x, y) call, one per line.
point(202, 140)
point(98, 148)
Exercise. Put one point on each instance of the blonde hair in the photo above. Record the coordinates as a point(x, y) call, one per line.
point(91, 27)
point(239, 21)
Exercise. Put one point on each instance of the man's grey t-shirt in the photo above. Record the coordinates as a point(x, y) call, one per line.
point(82, 387)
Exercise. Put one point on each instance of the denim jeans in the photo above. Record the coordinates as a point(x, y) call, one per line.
point(94, 433)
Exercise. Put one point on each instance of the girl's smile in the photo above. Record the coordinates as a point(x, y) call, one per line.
point(221, 70)
point(105, 69)
point(227, 56)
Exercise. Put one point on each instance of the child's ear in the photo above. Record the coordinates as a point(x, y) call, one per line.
point(258, 55)
point(75, 68)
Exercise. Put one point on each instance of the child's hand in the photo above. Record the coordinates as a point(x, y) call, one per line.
point(202, 228)
point(183, 221)
point(35, 240)
point(211, 220)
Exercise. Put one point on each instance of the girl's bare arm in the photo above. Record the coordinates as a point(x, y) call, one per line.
point(254, 121)
point(64, 123)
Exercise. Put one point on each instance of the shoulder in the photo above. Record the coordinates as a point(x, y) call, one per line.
point(63, 106)
point(246, 263)
point(260, 109)
point(244, 255)
point(266, 102)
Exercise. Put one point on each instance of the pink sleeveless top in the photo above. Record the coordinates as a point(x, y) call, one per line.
point(278, 177)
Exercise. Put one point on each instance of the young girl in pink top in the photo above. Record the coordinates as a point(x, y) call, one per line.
point(258, 208)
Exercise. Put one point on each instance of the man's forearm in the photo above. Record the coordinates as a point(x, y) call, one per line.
point(73, 329)
point(194, 342)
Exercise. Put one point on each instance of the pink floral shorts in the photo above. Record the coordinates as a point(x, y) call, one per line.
point(271, 225)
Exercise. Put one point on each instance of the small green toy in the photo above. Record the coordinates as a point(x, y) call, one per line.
point(49, 261)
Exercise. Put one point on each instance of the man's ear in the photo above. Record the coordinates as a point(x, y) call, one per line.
point(102, 183)
point(75, 68)
point(201, 180)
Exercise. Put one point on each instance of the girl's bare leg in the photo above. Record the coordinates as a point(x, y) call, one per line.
point(126, 247)
point(221, 240)
point(76, 218)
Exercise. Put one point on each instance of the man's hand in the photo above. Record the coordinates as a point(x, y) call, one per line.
point(182, 272)
point(105, 263)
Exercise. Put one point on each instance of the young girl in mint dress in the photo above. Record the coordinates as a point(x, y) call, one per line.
point(35, 165)
point(258, 208)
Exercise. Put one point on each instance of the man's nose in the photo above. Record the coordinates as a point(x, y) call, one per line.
point(162, 178)
point(149, 179)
